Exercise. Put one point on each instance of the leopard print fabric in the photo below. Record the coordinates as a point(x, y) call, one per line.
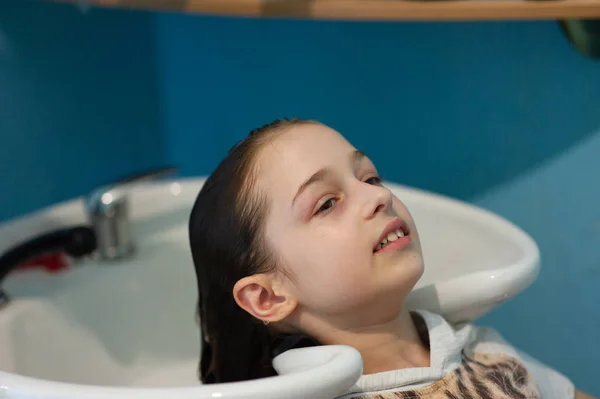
point(482, 376)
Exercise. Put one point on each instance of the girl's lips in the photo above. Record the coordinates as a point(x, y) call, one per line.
point(393, 226)
point(401, 242)
point(397, 245)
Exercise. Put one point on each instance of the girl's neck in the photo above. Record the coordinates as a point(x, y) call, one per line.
point(388, 346)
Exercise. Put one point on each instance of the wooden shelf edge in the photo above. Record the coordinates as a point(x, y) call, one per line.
point(369, 10)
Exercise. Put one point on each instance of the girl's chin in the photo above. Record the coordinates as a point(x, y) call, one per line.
point(407, 260)
point(402, 276)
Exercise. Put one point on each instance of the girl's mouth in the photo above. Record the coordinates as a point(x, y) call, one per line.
point(395, 245)
point(395, 236)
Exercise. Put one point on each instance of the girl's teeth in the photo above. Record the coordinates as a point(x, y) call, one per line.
point(391, 237)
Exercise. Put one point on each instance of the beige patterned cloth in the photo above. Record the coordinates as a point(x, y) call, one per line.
point(466, 362)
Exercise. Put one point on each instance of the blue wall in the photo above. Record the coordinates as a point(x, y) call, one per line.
point(464, 106)
point(506, 115)
point(78, 105)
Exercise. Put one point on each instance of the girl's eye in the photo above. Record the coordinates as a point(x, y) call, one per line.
point(375, 180)
point(327, 205)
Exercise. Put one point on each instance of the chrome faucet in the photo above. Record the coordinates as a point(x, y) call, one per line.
point(108, 211)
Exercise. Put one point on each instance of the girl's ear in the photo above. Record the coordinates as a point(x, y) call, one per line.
point(258, 295)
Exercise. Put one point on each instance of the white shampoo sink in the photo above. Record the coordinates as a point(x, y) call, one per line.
point(127, 329)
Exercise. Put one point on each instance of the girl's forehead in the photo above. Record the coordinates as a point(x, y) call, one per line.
point(294, 155)
point(303, 147)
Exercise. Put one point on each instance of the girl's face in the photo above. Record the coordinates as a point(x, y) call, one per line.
point(328, 213)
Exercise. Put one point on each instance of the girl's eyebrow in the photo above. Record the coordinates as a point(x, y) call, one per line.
point(356, 156)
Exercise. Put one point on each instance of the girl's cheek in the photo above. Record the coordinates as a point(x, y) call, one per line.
point(402, 211)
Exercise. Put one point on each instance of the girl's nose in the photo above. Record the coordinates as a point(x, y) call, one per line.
point(377, 199)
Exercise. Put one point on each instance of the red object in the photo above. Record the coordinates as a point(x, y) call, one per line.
point(53, 263)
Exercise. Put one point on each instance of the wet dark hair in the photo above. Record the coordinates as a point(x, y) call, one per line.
point(227, 244)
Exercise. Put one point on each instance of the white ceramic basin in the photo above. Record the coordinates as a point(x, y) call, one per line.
point(113, 330)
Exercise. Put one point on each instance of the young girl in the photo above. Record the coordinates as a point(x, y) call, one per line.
point(296, 242)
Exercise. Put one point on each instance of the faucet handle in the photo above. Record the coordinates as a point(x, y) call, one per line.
point(108, 211)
